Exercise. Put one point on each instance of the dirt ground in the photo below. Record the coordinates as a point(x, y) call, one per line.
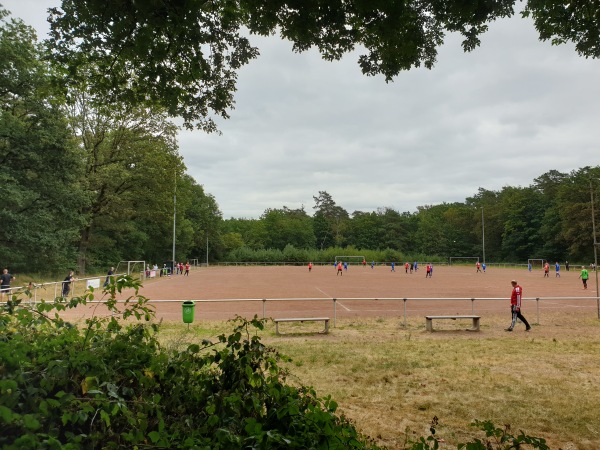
point(291, 291)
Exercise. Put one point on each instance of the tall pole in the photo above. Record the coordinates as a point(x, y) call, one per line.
point(483, 234)
point(207, 250)
point(174, 215)
point(595, 248)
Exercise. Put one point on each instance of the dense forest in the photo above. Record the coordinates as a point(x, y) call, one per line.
point(87, 183)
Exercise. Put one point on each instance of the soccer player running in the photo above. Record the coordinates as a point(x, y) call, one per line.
point(515, 307)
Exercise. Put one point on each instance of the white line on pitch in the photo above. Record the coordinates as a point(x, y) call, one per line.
point(323, 292)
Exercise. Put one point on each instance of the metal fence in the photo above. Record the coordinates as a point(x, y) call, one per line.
point(470, 301)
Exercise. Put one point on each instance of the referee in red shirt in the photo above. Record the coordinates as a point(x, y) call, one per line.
point(515, 307)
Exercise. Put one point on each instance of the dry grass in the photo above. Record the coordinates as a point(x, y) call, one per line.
point(391, 380)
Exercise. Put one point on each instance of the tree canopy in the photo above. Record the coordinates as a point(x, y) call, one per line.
point(185, 54)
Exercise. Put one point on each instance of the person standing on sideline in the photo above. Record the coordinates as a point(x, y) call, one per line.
point(187, 269)
point(66, 284)
point(515, 307)
point(546, 270)
point(309, 266)
point(5, 280)
point(110, 273)
point(584, 275)
point(567, 265)
point(478, 266)
point(557, 269)
point(339, 269)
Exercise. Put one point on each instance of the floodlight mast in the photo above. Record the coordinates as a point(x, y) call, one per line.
point(483, 234)
point(595, 247)
point(174, 214)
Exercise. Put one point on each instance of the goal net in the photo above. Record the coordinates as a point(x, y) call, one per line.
point(350, 259)
point(463, 260)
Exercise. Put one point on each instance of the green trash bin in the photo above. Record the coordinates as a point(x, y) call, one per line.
point(188, 311)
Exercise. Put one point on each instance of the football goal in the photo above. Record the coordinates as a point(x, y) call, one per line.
point(132, 266)
point(351, 259)
point(536, 263)
point(463, 260)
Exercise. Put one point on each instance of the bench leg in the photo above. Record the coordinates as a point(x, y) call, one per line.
point(476, 324)
point(277, 328)
point(326, 327)
point(429, 324)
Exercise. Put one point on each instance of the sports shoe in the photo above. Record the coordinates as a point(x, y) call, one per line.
point(528, 328)
point(508, 329)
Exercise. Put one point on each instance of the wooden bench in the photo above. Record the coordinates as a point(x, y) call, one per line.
point(429, 321)
point(304, 319)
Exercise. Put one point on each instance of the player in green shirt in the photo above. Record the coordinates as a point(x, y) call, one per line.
point(584, 275)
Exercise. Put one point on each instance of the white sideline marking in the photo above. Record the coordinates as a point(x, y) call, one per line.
point(343, 306)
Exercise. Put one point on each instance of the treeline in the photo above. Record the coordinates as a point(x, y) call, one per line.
point(549, 219)
point(85, 181)
point(291, 254)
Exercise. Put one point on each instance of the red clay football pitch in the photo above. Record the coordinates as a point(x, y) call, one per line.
point(293, 291)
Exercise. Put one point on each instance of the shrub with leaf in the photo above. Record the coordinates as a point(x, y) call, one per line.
point(110, 384)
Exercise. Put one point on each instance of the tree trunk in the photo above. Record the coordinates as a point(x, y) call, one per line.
point(83, 246)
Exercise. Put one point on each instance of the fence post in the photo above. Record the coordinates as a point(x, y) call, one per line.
point(264, 307)
point(537, 305)
point(404, 311)
point(472, 306)
point(334, 311)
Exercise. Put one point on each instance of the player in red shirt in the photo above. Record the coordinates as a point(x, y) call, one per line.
point(339, 269)
point(478, 266)
point(515, 307)
point(546, 270)
point(309, 266)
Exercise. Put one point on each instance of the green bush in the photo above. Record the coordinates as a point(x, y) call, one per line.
point(111, 385)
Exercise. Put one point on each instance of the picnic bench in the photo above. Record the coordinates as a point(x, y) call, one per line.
point(429, 321)
point(303, 319)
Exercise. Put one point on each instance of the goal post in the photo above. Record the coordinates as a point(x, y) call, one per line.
point(463, 260)
point(350, 259)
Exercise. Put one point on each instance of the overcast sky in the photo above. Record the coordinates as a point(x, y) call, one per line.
point(502, 115)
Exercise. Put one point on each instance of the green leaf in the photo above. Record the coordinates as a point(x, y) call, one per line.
point(6, 414)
